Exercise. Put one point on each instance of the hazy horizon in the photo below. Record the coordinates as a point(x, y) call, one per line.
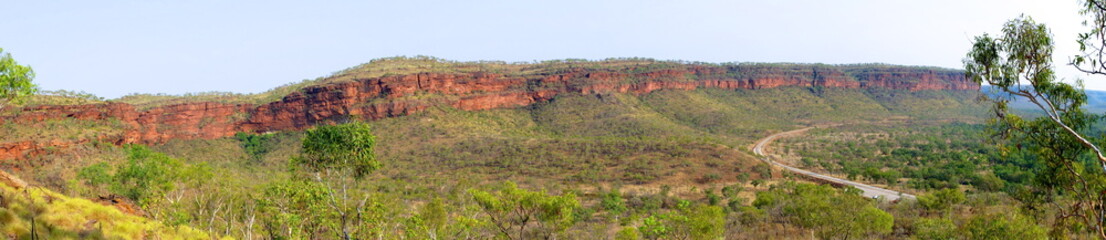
point(119, 48)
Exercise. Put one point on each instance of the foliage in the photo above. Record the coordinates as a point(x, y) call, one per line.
point(1003, 226)
point(706, 222)
point(146, 176)
point(929, 155)
point(255, 145)
point(652, 227)
point(96, 174)
point(1092, 43)
point(340, 147)
point(687, 222)
point(338, 157)
point(612, 202)
point(512, 210)
point(573, 141)
point(942, 200)
point(40, 213)
point(830, 212)
point(431, 221)
point(294, 209)
point(935, 229)
point(1018, 63)
point(627, 234)
point(536, 146)
point(15, 79)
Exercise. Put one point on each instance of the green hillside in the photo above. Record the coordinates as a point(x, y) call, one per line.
point(663, 146)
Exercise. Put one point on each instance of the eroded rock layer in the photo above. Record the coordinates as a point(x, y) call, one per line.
point(382, 97)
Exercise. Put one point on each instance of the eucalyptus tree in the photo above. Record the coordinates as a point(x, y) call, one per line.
point(339, 157)
point(15, 80)
point(1018, 66)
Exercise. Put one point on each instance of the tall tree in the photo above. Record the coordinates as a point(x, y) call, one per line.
point(1018, 66)
point(15, 79)
point(339, 157)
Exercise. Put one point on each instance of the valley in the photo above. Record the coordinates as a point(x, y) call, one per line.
point(868, 190)
point(635, 143)
point(553, 120)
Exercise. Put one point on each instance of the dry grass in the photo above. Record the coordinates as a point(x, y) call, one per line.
point(57, 216)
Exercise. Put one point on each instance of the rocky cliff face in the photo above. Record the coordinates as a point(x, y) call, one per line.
point(382, 97)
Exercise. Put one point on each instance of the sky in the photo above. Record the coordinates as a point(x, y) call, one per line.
point(113, 48)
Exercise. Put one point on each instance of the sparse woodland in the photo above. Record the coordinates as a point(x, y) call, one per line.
point(669, 164)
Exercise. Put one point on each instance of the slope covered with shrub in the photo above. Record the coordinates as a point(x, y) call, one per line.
point(39, 213)
point(663, 164)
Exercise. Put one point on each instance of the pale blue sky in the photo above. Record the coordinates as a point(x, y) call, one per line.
point(111, 48)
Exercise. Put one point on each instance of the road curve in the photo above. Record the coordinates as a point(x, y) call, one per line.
point(868, 190)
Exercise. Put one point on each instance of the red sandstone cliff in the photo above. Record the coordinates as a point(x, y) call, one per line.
point(375, 98)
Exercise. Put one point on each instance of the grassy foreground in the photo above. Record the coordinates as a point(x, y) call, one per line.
point(38, 213)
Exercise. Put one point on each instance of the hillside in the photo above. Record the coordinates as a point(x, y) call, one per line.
point(397, 87)
point(1096, 100)
point(30, 213)
point(659, 133)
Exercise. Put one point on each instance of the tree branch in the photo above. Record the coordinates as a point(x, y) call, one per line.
point(1053, 115)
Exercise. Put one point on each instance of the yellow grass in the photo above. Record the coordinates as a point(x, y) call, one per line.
point(62, 217)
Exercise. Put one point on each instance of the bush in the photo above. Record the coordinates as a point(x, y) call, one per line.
point(942, 200)
point(146, 175)
point(612, 202)
point(1003, 226)
point(831, 212)
point(935, 229)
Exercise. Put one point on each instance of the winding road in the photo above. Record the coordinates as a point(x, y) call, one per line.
point(868, 190)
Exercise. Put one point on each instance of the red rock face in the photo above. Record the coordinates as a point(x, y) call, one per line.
point(391, 96)
point(915, 80)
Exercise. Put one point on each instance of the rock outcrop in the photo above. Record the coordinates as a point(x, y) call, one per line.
point(11, 181)
point(389, 96)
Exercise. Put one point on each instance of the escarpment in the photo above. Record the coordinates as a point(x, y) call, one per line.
point(397, 95)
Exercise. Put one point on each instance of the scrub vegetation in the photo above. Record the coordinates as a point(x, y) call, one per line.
point(669, 164)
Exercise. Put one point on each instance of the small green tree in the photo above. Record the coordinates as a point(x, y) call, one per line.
point(653, 227)
point(1003, 226)
point(522, 214)
point(743, 178)
point(612, 202)
point(339, 157)
point(150, 178)
point(686, 222)
point(435, 216)
point(831, 213)
point(255, 145)
point(706, 222)
point(15, 80)
point(935, 229)
point(98, 174)
point(942, 200)
point(293, 209)
point(333, 150)
point(627, 234)
point(731, 191)
point(757, 183)
point(429, 222)
point(145, 176)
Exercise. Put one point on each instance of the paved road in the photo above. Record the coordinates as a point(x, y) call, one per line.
point(869, 191)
